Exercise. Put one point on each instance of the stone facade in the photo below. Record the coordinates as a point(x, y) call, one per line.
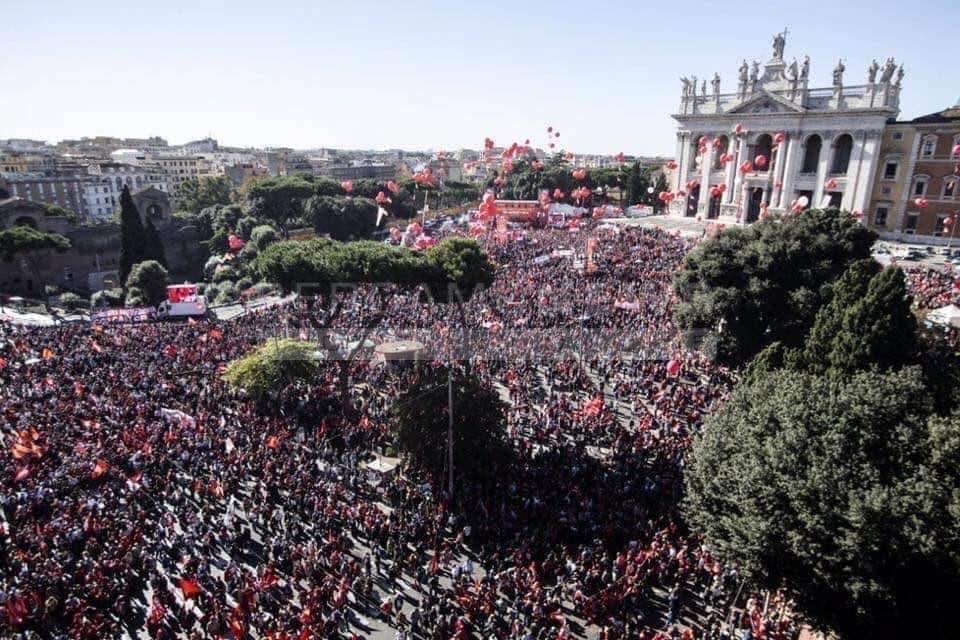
point(93, 259)
point(918, 164)
point(821, 143)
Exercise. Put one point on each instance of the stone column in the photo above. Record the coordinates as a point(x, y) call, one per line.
point(781, 156)
point(853, 173)
point(790, 170)
point(706, 165)
point(681, 145)
point(823, 171)
point(730, 171)
point(868, 172)
point(737, 161)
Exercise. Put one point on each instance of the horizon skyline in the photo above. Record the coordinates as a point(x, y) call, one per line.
point(378, 77)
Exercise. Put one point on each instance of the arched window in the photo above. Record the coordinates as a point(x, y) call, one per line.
point(25, 221)
point(811, 154)
point(722, 148)
point(155, 212)
point(842, 148)
point(928, 147)
point(764, 147)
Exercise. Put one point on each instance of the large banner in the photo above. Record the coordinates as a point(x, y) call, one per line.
point(137, 314)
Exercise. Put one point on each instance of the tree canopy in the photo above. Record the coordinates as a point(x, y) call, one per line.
point(748, 287)
point(340, 217)
point(272, 367)
point(421, 420)
point(23, 239)
point(147, 284)
point(322, 263)
point(199, 193)
point(842, 490)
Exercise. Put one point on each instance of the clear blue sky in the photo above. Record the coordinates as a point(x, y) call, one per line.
point(427, 74)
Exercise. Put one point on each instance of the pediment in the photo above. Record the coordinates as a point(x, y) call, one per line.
point(765, 102)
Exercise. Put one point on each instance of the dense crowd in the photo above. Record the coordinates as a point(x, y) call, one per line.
point(142, 497)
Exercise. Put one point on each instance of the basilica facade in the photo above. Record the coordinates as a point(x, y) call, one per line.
point(776, 140)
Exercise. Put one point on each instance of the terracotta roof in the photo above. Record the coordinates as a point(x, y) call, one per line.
point(947, 115)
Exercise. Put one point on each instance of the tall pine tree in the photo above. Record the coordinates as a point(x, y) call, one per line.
point(133, 237)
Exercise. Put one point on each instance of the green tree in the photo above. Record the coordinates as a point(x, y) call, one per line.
point(638, 180)
point(262, 236)
point(280, 200)
point(133, 237)
point(421, 421)
point(659, 187)
point(199, 193)
point(868, 323)
point(340, 217)
point(748, 287)
point(147, 284)
point(273, 366)
point(22, 239)
point(841, 490)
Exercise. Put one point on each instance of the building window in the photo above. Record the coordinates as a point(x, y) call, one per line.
point(880, 216)
point(842, 150)
point(890, 170)
point(928, 147)
point(911, 224)
point(898, 136)
point(949, 189)
point(920, 187)
point(811, 154)
point(885, 190)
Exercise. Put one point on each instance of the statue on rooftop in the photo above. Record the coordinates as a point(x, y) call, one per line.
point(838, 74)
point(805, 69)
point(888, 69)
point(872, 72)
point(743, 72)
point(779, 42)
point(716, 84)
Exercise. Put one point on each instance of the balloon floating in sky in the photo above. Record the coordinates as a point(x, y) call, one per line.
point(347, 186)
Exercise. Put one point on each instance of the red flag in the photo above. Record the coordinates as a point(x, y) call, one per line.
point(273, 442)
point(170, 351)
point(237, 625)
point(99, 469)
point(190, 588)
point(191, 321)
point(96, 347)
point(22, 474)
point(46, 354)
point(3, 363)
point(216, 334)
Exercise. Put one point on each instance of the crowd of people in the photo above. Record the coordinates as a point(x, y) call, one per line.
point(142, 497)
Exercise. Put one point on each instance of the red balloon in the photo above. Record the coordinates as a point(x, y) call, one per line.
point(557, 134)
point(760, 161)
point(347, 185)
point(552, 145)
point(671, 165)
point(549, 129)
point(746, 167)
point(779, 138)
point(738, 129)
point(956, 151)
point(921, 203)
point(830, 184)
